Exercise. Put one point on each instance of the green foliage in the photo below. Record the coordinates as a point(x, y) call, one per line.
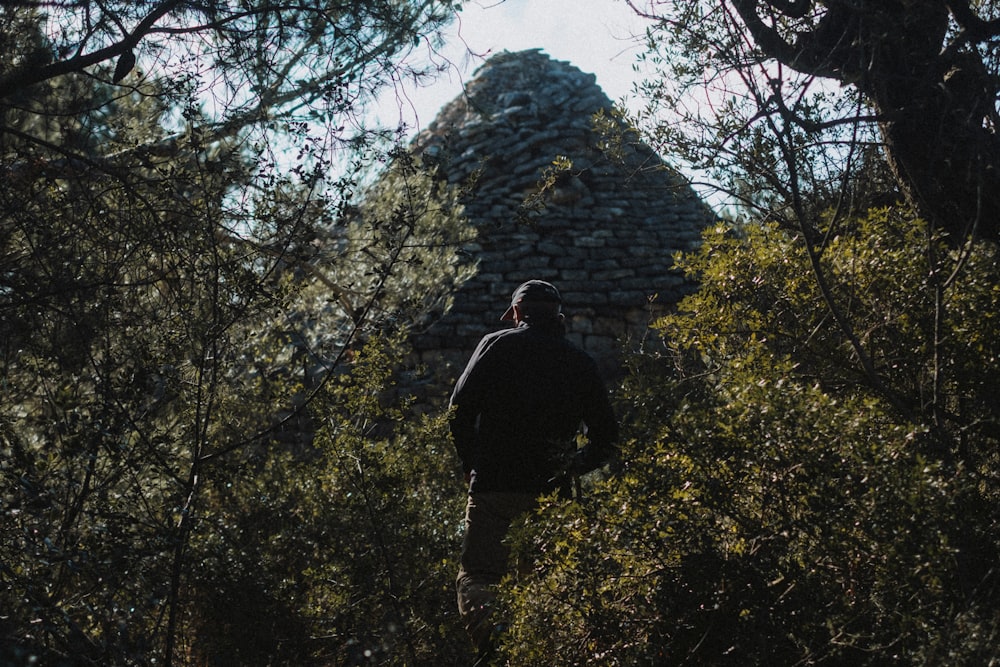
point(169, 325)
point(397, 257)
point(343, 556)
point(779, 504)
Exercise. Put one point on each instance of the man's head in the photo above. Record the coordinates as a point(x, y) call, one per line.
point(535, 299)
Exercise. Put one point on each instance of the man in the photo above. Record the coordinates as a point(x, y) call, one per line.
point(524, 396)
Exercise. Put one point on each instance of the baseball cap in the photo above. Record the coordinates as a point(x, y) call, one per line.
point(532, 291)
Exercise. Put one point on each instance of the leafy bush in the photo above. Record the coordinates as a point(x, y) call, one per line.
point(810, 474)
point(343, 557)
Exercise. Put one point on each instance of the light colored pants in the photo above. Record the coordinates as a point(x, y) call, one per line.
point(485, 555)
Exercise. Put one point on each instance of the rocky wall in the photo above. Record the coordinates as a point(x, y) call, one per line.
point(604, 229)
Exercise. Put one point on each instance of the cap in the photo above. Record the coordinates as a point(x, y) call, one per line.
point(533, 291)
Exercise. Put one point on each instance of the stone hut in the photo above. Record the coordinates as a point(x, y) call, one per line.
point(602, 225)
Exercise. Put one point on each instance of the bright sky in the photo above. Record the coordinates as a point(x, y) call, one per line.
point(600, 37)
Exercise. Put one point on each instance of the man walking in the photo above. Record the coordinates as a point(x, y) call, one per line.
point(524, 396)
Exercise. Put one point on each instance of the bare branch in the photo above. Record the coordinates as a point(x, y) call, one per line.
point(976, 28)
point(28, 76)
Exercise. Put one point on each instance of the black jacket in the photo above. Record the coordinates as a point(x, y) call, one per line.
point(524, 395)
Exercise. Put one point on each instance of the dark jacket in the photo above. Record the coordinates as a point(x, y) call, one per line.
point(524, 395)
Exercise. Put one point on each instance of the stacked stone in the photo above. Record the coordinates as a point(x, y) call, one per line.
point(608, 226)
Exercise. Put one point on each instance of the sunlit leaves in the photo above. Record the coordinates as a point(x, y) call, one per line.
point(775, 506)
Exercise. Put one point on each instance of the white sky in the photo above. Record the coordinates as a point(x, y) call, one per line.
point(600, 37)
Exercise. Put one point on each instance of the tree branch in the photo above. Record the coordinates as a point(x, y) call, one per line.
point(766, 37)
point(795, 9)
point(976, 28)
point(805, 55)
point(29, 75)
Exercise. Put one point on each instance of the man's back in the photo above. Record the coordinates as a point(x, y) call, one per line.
point(523, 397)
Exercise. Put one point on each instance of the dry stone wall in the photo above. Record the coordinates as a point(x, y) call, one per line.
point(605, 232)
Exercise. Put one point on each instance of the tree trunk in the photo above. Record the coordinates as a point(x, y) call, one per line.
point(936, 111)
point(936, 101)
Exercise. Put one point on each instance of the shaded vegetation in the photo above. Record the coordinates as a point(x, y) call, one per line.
point(209, 456)
point(776, 507)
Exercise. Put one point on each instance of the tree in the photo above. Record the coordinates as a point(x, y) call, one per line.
point(773, 508)
point(810, 471)
point(919, 78)
point(788, 147)
point(346, 556)
point(161, 238)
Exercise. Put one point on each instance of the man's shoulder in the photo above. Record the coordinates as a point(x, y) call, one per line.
point(534, 338)
point(567, 351)
point(495, 336)
point(582, 357)
point(492, 342)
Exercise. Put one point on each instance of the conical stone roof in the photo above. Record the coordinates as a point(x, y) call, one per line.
point(608, 225)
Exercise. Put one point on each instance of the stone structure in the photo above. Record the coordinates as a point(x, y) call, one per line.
point(604, 231)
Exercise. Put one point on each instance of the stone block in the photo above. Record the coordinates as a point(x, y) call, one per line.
point(588, 242)
point(551, 249)
point(613, 274)
point(573, 274)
